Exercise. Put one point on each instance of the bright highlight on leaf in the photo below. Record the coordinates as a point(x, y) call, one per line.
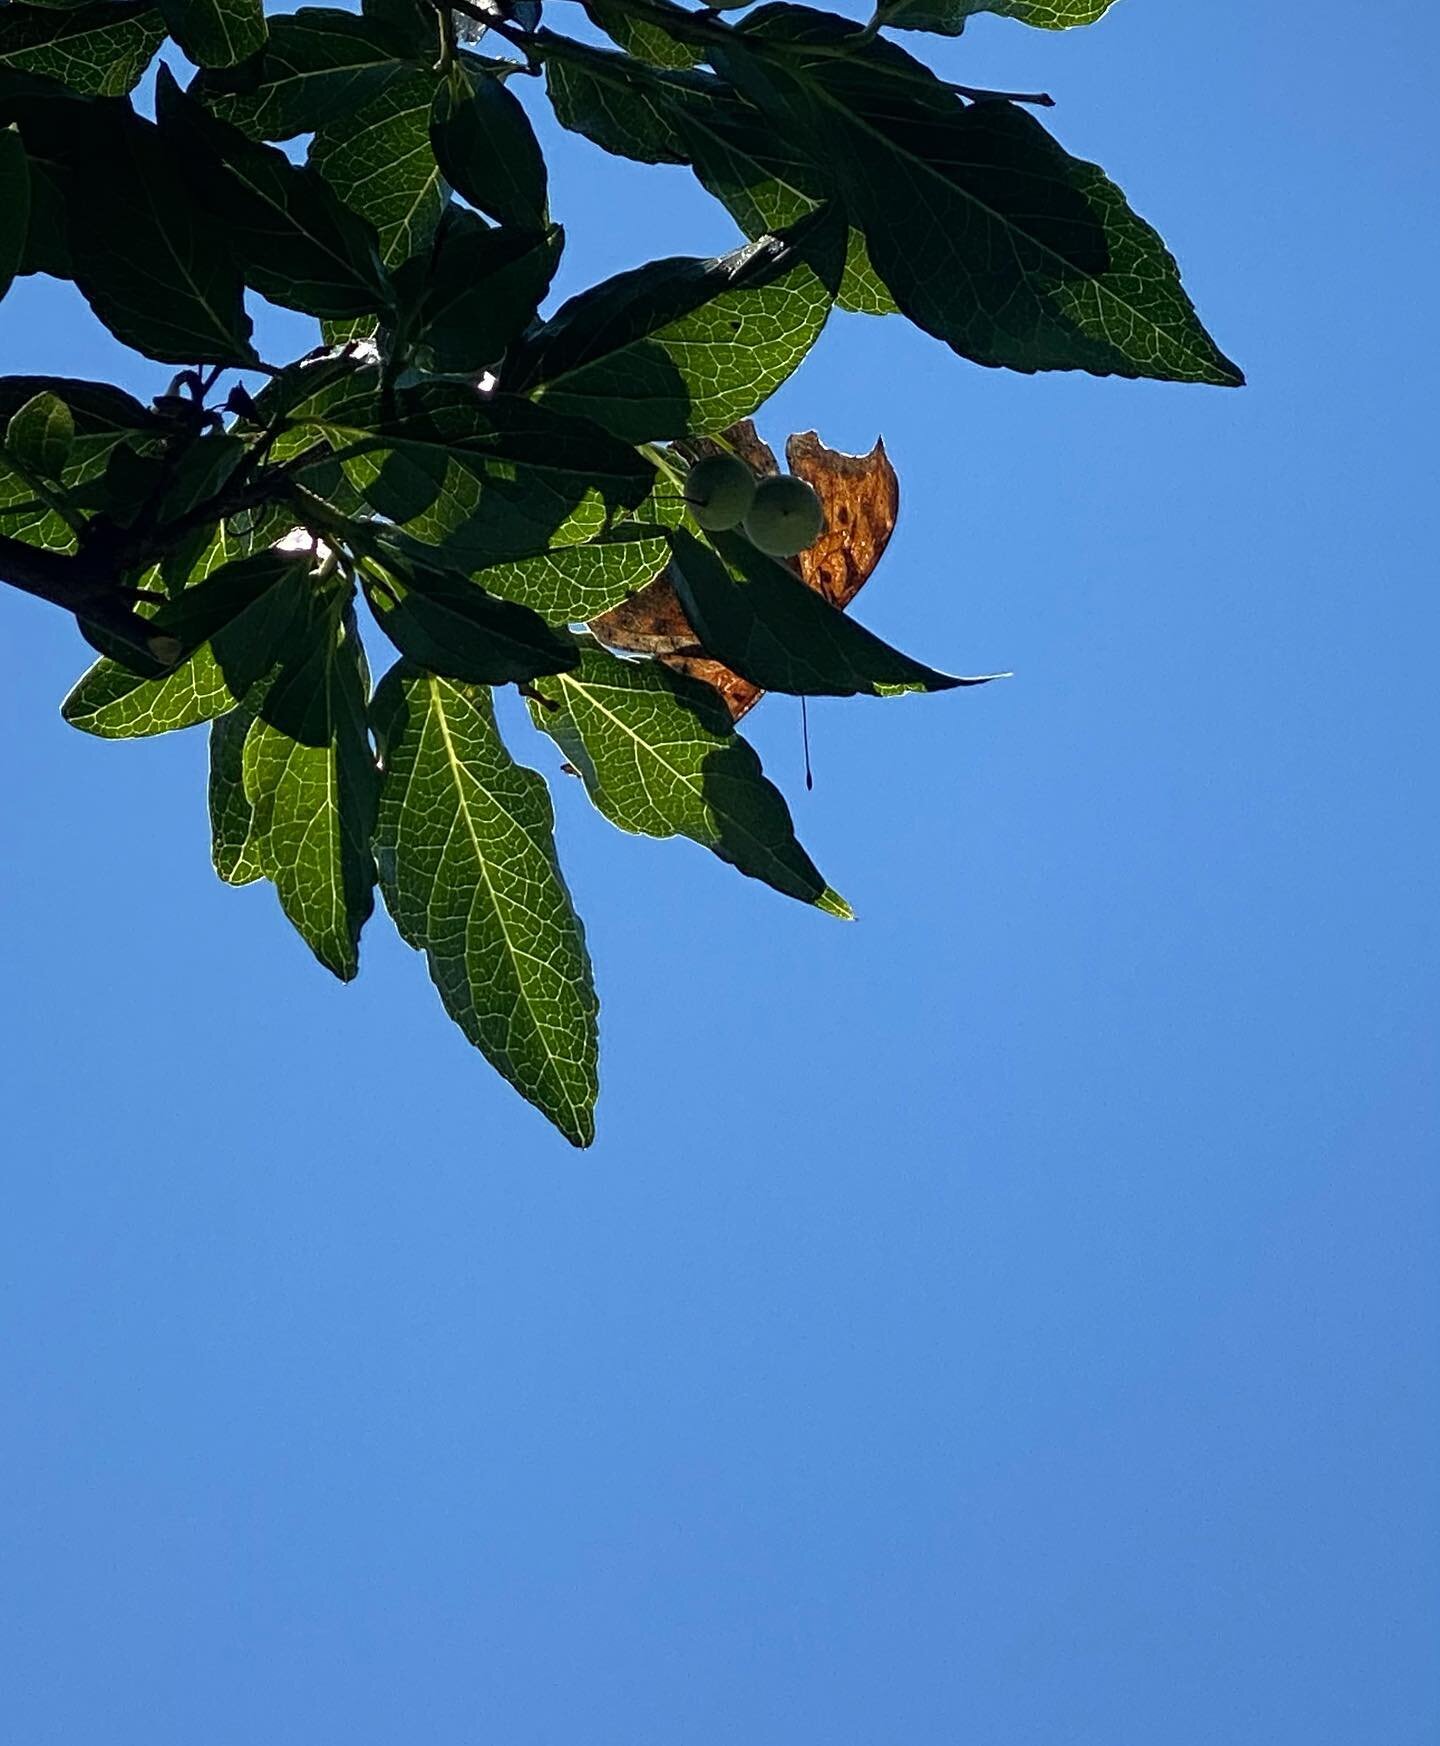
point(467, 859)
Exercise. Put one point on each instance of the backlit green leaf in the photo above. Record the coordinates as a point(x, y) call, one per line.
point(40, 435)
point(377, 157)
point(467, 860)
point(765, 179)
point(491, 479)
point(947, 17)
point(573, 584)
point(686, 346)
point(100, 49)
point(103, 418)
point(216, 33)
point(112, 701)
point(310, 780)
point(646, 41)
point(659, 756)
point(318, 65)
point(232, 818)
point(614, 101)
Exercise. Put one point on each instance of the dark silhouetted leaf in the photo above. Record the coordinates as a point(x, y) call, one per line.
point(14, 205)
point(756, 616)
point(487, 148)
point(465, 842)
point(198, 473)
point(153, 264)
point(449, 625)
point(294, 240)
point(476, 291)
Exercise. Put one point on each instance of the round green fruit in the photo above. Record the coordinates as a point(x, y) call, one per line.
point(719, 491)
point(785, 517)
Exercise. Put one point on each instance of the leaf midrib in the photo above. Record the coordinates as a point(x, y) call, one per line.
point(435, 708)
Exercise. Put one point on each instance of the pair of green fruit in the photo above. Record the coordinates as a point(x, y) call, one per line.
point(782, 515)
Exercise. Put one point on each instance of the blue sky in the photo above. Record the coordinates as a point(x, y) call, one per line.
point(1009, 1320)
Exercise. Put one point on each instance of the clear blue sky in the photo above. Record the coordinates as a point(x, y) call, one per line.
point(1007, 1321)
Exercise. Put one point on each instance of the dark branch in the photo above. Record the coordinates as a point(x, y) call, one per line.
point(80, 583)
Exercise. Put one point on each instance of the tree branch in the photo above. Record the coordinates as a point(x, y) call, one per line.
point(79, 583)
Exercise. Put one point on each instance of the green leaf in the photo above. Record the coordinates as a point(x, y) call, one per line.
point(754, 614)
point(614, 101)
point(573, 584)
point(41, 435)
point(686, 347)
point(152, 263)
point(318, 66)
point(199, 472)
point(487, 149)
point(499, 478)
point(765, 180)
point(268, 600)
point(104, 418)
point(984, 230)
point(646, 41)
point(947, 17)
point(294, 240)
point(467, 860)
point(377, 157)
point(449, 625)
point(476, 292)
point(411, 25)
point(233, 850)
point(14, 205)
point(46, 247)
point(310, 779)
point(216, 33)
point(659, 756)
point(99, 49)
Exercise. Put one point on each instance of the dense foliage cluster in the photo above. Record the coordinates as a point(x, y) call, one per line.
point(487, 481)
